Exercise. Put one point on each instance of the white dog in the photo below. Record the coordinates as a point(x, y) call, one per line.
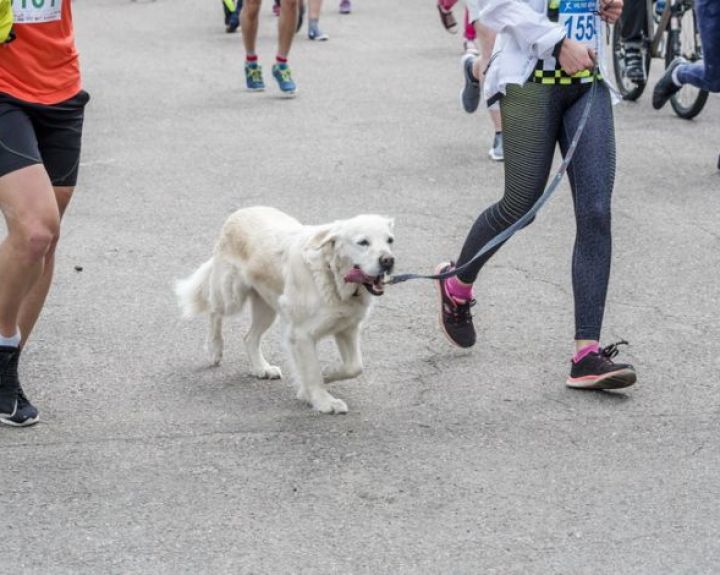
point(320, 279)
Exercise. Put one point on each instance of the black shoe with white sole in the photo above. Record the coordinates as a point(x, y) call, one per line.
point(15, 408)
point(455, 317)
point(597, 370)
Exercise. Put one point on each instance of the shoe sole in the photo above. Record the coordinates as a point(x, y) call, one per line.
point(613, 380)
point(438, 287)
point(27, 423)
point(255, 89)
point(493, 156)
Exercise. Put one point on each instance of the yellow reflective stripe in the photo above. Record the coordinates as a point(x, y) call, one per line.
point(6, 19)
point(230, 5)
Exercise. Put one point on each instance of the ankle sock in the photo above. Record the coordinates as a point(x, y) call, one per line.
point(281, 59)
point(583, 352)
point(12, 341)
point(251, 58)
point(457, 290)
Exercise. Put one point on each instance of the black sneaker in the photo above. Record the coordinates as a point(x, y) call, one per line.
point(597, 371)
point(634, 65)
point(15, 408)
point(666, 88)
point(470, 95)
point(455, 316)
point(447, 19)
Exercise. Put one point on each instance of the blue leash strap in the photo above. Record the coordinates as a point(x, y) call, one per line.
point(525, 219)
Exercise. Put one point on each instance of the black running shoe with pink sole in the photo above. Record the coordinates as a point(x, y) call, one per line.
point(597, 370)
point(455, 317)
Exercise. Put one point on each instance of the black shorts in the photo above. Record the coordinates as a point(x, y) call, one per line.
point(42, 134)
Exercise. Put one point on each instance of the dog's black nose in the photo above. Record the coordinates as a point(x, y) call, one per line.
point(387, 263)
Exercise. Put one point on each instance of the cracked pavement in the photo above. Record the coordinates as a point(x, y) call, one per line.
point(457, 462)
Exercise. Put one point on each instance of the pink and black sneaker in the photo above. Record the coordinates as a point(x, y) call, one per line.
point(593, 368)
point(455, 317)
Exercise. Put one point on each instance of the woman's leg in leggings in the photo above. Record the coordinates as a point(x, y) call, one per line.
point(705, 74)
point(592, 176)
point(531, 118)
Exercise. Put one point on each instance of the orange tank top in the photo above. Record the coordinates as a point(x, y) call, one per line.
point(41, 65)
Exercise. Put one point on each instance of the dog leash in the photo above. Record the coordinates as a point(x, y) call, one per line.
point(549, 190)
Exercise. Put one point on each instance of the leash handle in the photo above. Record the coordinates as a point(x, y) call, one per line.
point(525, 219)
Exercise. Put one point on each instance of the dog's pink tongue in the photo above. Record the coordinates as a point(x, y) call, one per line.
point(355, 276)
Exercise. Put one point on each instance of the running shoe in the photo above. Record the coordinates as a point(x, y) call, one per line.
point(497, 152)
point(15, 408)
point(455, 317)
point(634, 66)
point(314, 33)
point(447, 19)
point(345, 7)
point(470, 95)
point(253, 77)
point(281, 73)
point(666, 88)
point(597, 370)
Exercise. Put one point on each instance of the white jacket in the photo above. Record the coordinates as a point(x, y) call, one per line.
point(525, 35)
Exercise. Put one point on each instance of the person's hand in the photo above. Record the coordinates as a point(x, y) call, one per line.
point(610, 10)
point(575, 57)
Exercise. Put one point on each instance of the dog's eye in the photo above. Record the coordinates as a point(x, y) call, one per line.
point(363, 243)
point(391, 240)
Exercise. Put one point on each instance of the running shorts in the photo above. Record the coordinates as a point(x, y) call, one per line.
point(42, 134)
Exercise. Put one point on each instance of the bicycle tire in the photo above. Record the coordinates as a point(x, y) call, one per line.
point(689, 101)
point(629, 90)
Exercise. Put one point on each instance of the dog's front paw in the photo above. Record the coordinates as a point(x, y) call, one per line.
point(328, 404)
point(215, 355)
point(269, 372)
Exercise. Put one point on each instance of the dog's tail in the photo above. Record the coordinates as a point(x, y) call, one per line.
point(193, 293)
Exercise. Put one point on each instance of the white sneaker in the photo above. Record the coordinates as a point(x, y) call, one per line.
point(496, 153)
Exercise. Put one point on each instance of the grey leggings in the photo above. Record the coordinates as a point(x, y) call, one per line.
point(536, 117)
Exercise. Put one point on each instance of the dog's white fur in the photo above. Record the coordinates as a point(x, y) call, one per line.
point(283, 267)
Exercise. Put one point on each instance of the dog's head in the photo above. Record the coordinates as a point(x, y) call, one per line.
point(360, 250)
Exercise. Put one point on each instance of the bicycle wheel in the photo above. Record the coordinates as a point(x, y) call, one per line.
point(630, 90)
point(689, 101)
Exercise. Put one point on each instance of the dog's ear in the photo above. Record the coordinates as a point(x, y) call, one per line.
point(323, 237)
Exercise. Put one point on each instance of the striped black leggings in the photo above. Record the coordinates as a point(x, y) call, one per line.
point(536, 117)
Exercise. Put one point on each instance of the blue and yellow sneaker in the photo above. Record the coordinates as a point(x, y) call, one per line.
point(253, 77)
point(281, 73)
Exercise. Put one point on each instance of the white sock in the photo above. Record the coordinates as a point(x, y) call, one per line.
point(12, 341)
point(674, 77)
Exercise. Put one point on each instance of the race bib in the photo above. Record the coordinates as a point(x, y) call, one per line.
point(36, 11)
point(579, 20)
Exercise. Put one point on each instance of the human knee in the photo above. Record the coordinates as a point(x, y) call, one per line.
point(291, 4)
point(36, 238)
point(595, 215)
point(251, 7)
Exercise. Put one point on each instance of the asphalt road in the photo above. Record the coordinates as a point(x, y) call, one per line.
point(149, 461)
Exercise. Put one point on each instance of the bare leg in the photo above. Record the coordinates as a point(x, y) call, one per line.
point(263, 317)
point(35, 300)
point(286, 26)
point(348, 343)
point(487, 42)
point(249, 22)
point(33, 220)
point(314, 8)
